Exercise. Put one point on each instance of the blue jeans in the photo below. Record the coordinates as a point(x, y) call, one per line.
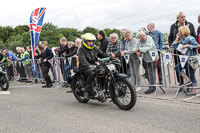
point(191, 73)
point(66, 73)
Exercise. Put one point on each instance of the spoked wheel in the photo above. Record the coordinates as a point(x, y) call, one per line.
point(4, 83)
point(125, 94)
point(78, 92)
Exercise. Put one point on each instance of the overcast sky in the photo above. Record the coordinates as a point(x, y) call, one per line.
point(78, 14)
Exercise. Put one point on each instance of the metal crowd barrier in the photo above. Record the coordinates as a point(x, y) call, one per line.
point(135, 67)
point(61, 69)
point(169, 76)
point(175, 80)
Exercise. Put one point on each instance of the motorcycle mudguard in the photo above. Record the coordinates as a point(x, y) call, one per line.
point(2, 73)
point(121, 75)
point(71, 78)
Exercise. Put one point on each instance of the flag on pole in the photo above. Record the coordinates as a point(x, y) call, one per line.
point(168, 57)
point(126, 57)
point(36, 21)
point(154, 54)
point(183, 60)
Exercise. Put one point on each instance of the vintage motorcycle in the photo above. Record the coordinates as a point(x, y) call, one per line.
point(4, 82)
point(108, 83)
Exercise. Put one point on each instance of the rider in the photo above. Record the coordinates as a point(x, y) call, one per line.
point(88, 55)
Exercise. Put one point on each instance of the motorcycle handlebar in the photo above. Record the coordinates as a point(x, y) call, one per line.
point(104, 59)
point(113, 60)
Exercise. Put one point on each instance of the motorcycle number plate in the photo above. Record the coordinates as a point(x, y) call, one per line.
point(111, 67)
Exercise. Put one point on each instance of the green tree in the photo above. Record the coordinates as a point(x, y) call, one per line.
point(6, 32)
point(2, 44)
point(135, 35)
point(165, 37)
point(109, 31)
point(70, 33)
point(21, 29)
point(13, 42)
point(90, 30)
point(26, 39)
point(50, 34)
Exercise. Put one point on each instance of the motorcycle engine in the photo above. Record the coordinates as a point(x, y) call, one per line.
point(101, 71)
point(102, 96)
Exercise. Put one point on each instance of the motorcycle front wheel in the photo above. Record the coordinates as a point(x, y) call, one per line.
point(125, 96)
point(4, 83)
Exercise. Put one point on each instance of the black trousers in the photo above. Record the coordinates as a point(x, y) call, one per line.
point(22, 71)
point(159, 67)
point(124, 67)
point(176, 61)
point(45, 71)
point(90, 79)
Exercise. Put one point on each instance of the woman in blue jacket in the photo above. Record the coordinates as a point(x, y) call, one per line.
point(189, 42)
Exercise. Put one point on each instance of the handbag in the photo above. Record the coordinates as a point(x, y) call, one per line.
point(193, 62)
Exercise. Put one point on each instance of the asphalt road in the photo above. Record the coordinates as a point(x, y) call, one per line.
point(32, 109)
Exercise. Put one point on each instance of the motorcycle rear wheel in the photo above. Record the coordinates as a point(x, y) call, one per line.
point(78, 94)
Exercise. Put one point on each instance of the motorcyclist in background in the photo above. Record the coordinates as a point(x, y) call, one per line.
point(88, 55)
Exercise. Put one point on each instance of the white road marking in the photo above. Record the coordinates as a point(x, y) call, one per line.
point(4, 92)
point(192, 97)
point(20, 86)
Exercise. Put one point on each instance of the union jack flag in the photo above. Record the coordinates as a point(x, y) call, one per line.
point(36, 21)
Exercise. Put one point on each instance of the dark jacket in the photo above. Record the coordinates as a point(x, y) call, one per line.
point(88, 57)
point(71, 52)
point(47, 54)
point(123, 43)
point(174, 31)
point(18, 55)
point(36, 57)
point(1, 57)
point(30, 54)
point(198, 35)
point(103, 45)
point(62, 50)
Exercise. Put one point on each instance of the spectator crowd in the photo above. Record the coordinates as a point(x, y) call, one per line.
point(129, 50)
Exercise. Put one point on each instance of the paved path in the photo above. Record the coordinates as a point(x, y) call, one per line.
point(32, 109)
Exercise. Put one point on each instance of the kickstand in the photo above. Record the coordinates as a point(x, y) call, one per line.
point(69, 91)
